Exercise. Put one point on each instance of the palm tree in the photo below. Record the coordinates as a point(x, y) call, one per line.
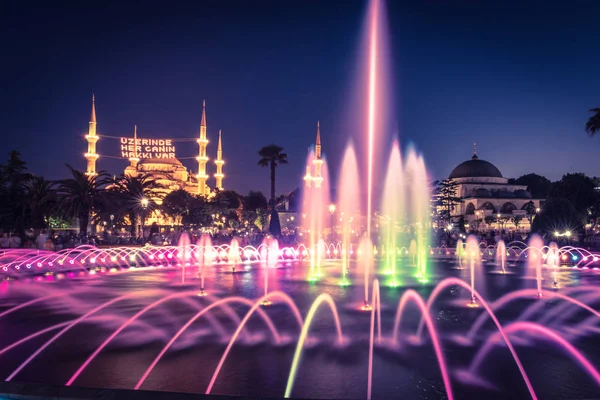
point(593, 124)
point(13, 177)
point(271, 156)
point(40, 200)
point(78, 194)
point(137, 197)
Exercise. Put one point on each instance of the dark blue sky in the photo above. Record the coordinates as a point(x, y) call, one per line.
point(516, 76)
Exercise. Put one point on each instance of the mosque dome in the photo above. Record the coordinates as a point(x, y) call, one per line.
point(482, 192)
point(163, 161)
point(475, 168)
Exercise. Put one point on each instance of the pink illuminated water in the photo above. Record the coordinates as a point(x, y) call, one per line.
point(501, 255)
point(348, 206)
point(315, 208)
point(184, 253)
point(393, 209)
point(535, 260)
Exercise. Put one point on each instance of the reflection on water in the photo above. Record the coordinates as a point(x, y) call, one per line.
point(257, 366)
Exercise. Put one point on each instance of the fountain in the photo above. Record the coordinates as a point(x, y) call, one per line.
point(535, 258)
point(204, 258)
point(501, 255)
point(474, 257)
point(349, 208)
point(229, 342)
point(184, 254)
point(393, 210)
point(315, 205)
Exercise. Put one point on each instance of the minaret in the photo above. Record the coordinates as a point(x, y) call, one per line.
point(202, 157)
point(135, 159)
point(318, 161)
point(91, 156)
point(219, 162)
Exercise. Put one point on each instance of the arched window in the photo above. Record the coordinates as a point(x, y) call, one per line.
point(529, 207)
point(470, 210)
point(488, 206)
point(508, 208)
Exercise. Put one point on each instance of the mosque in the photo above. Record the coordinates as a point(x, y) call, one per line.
point(156, 157)
point(486, 193)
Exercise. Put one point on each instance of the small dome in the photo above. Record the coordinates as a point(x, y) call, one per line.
point(475, 168)
point(482, 192)
point(522, 194)
point(503, 194)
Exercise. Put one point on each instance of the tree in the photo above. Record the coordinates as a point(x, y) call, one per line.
point(177, 205)
point(517, 221)
point(537, 185)
point(576, 188)
point(489, 219)
point(256, 211)
point(447, 199)
point(138, 196)
point(13, 177)
point(558, 215)
point(592, 125)
point(78, 194)
point(41, 201)
point(271, 156)
point(531, 211)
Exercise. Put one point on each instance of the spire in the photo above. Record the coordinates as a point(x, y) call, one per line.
point(318, 142)
point(203, 122)
point(219, 147)
point(474, 151)
point(93, 115)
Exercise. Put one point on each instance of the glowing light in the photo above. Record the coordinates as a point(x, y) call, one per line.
point(564, 257)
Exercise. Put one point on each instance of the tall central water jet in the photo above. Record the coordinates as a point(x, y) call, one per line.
point(373, 54)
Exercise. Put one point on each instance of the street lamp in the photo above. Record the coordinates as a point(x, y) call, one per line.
point(144, 202)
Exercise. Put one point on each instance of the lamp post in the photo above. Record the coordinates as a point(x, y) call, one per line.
point(332, 211)
point(144, 206)
point(476, 221)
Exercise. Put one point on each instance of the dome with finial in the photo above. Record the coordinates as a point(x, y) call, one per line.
point(475, 168)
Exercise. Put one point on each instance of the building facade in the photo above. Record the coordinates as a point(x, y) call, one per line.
point(489, 201)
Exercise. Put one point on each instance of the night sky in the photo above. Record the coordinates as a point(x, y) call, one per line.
point(518, 77)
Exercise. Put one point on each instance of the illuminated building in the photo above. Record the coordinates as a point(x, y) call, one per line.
point(156, 157)
point(486, 193)
point(92, 138)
